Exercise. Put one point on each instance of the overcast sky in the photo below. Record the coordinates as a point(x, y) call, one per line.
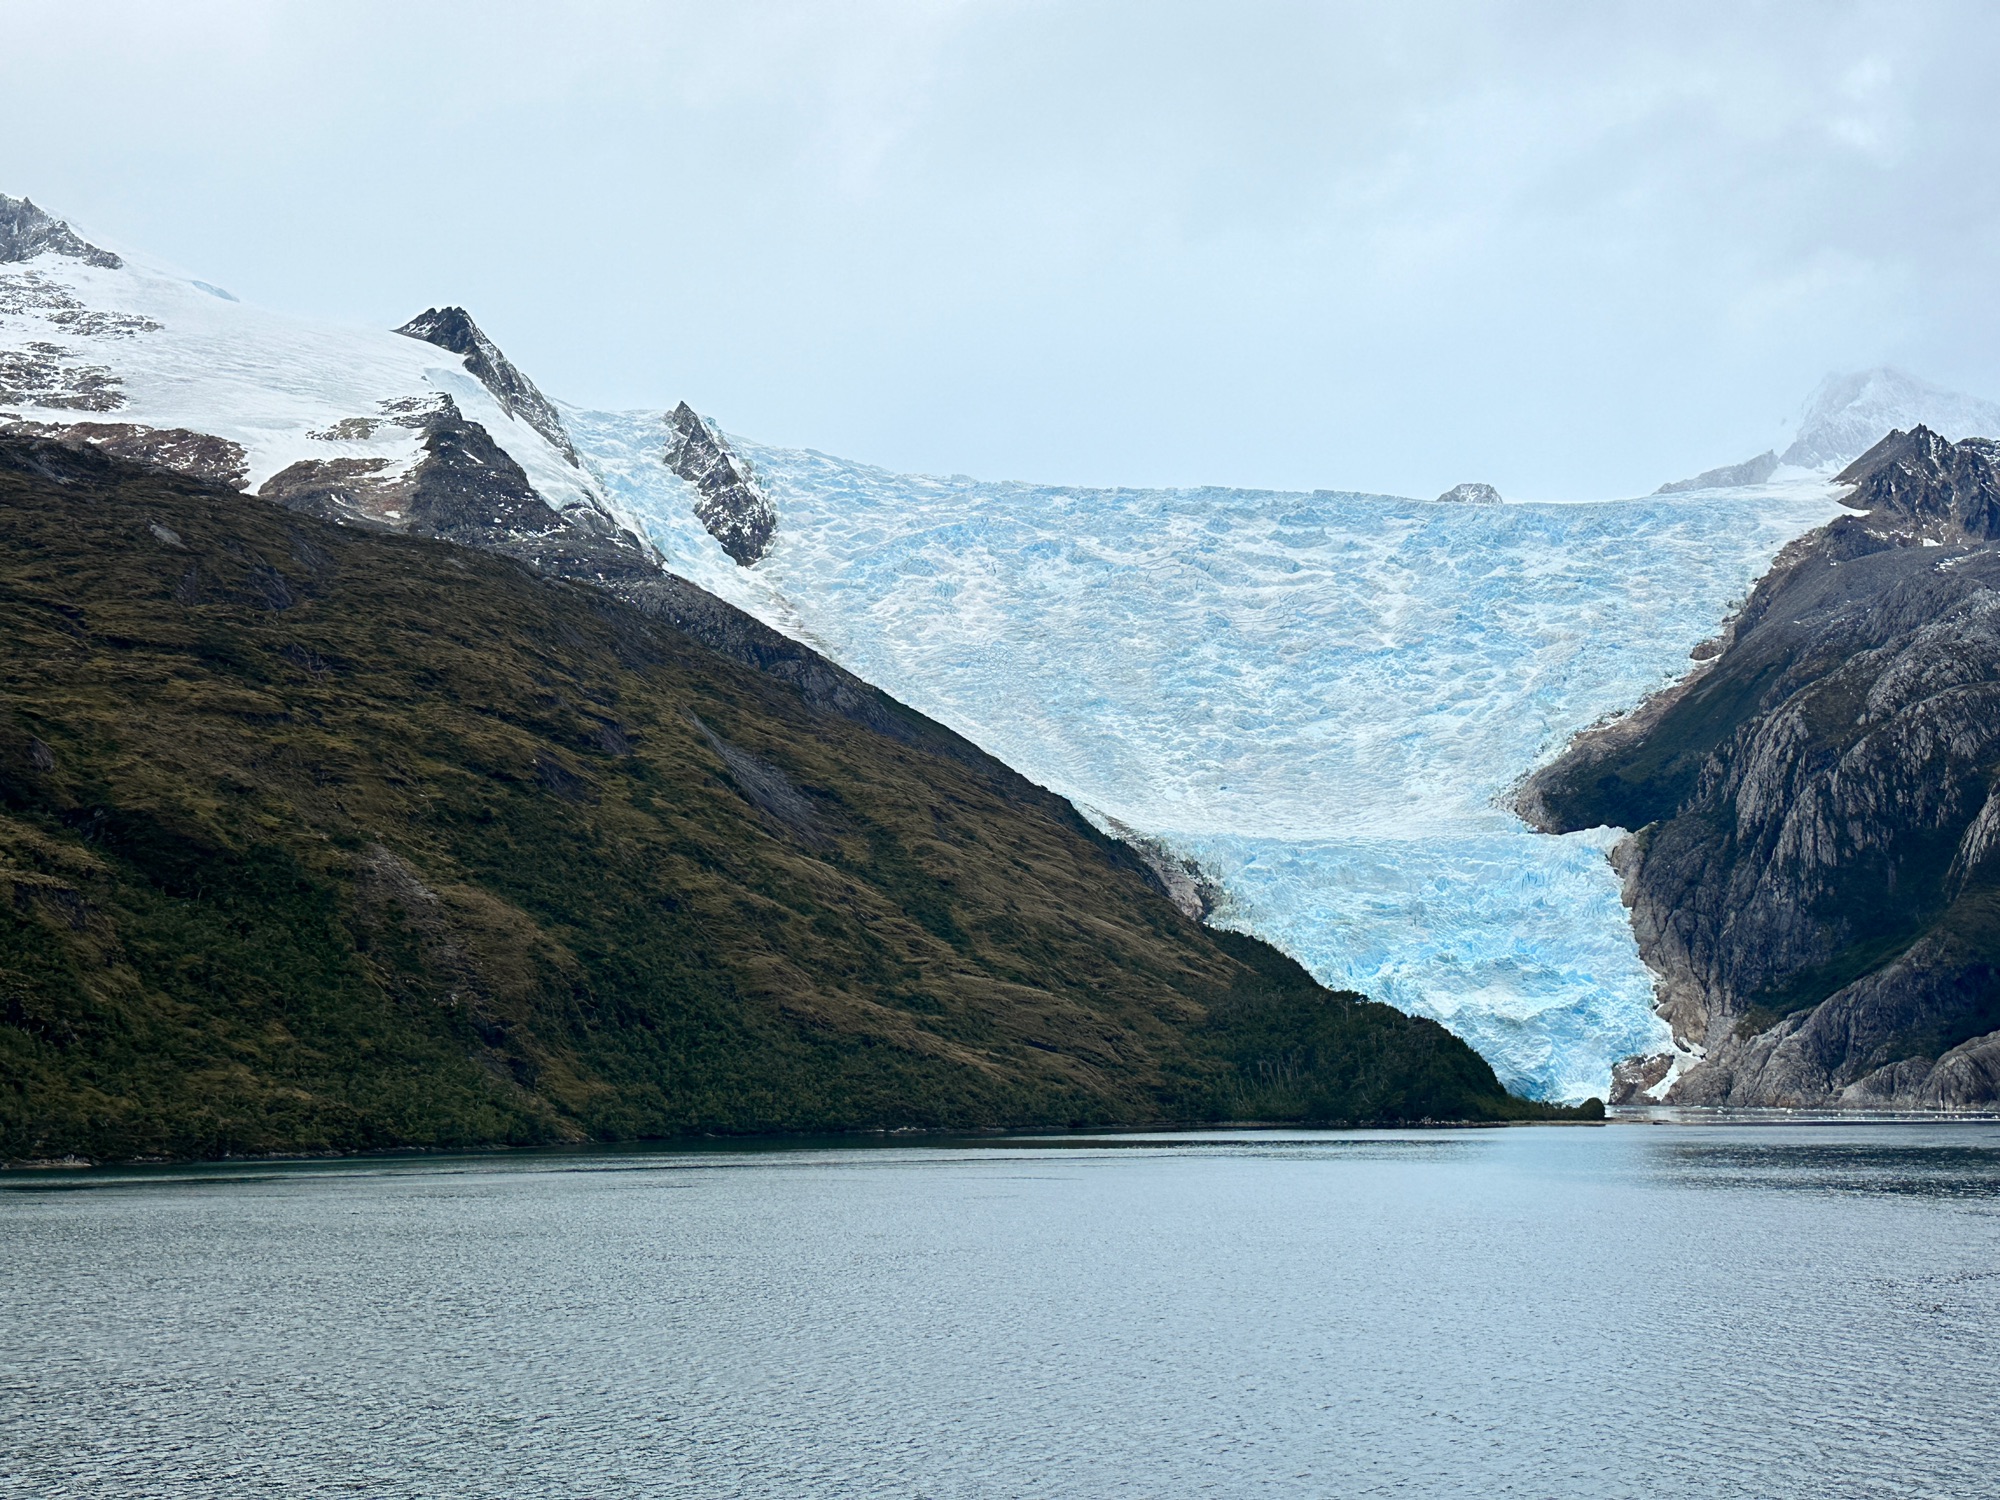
point(1573, 250)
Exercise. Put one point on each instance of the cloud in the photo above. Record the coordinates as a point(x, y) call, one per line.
point(1571, 249)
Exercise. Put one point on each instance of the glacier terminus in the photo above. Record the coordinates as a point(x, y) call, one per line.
point(1322, 700)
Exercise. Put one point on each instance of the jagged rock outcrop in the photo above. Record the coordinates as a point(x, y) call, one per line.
point(1180, 879)
point(47, 375)
point(1815, 871)
point(27, 231)
point(452, 328)
point(728, 502)
point(1728, 477)
point(1949, 492)
point(1470, 494)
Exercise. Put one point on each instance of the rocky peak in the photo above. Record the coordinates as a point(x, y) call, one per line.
point(1815, 855)
point(728, 502)
point(462, 487)
point(1728, 477)
point(452, 329)
point(26, 232)
point(1949, 491)
point(1470, 494)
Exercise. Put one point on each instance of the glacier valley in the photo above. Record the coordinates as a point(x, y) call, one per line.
point(1323, 699)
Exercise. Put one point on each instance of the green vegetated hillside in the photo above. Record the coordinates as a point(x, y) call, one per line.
point(312, 839)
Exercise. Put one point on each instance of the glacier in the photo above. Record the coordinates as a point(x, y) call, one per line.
point(1321, 699)
point(1324, 699)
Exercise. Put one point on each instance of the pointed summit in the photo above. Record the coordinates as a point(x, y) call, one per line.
point(452, 328)
point(1848, 414)
point(26, 232)
point(1470, 494)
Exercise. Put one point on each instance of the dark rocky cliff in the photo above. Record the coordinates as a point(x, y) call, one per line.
point(737, 513)
point(1815, 868)
point(26, 232)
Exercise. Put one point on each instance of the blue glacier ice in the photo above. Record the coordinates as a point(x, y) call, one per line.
point(1323, 698)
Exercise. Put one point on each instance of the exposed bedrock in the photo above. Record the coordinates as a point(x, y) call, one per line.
point(1728, 477)
point(452, 329)
point(200, 455)
point(727, 500)
point(1470, 494)
point(47, 375)
point(27, 232)
point(463, 488)
point(1815, 869)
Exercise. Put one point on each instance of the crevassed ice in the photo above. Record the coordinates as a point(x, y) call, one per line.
point(1320, 697)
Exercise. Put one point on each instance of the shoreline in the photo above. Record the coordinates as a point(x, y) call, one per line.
point(19, 1173)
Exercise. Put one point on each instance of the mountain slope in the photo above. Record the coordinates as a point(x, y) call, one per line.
point(318, 838)
point(89, 336)
point(1814, 870)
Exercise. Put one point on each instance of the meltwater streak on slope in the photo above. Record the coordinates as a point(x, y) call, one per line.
point(1320, 697)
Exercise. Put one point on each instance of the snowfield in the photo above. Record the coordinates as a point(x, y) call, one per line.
point(184, 354)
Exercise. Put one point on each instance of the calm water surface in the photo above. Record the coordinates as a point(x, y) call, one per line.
point(1640, 1310)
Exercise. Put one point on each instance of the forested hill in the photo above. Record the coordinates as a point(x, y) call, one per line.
point(312, 838)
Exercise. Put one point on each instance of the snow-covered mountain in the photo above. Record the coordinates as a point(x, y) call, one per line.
point(429, 429)
point(1307, 710)
point(1846, 416)
point(1849, 414)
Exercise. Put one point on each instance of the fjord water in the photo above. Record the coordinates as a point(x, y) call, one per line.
point(1323, 698)
point(1629, 1311)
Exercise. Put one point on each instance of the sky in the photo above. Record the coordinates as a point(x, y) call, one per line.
point(1572, 250)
